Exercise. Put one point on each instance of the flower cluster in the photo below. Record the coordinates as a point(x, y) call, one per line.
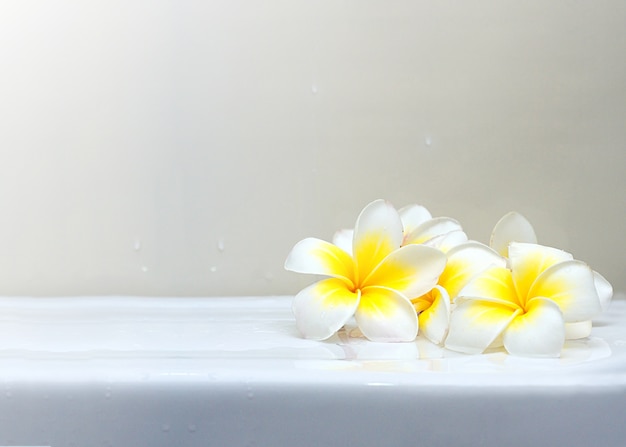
point(402, 271)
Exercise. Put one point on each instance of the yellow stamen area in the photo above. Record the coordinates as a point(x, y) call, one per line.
point(423, 302)
point(334, 292)
point(534, 262)
point(455, 276)
point(377, 302)
point(393, 273)
point(490, 313)
point(497, 284)
point(335, 260)
point(369, 251)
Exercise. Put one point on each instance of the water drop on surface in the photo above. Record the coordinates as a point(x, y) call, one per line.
point(314, 89)
point(192, 428)
point(165, 428)
point(213, 269)
point(220, 245)
point(144, 268)
point(428, 141)
point(137, 245)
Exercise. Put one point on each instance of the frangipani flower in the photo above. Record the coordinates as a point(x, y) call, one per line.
point(524, 307)
point(513, 227)
point(465, 261)
point(371, 282)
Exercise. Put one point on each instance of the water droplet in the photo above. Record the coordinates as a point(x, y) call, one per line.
point(269, 276)
point(165, 428)
point(428, 141)
point(213, 269)
point(137, 245)
point(192, 428)
point(314, 89)
point(220, 245)
point(144, 268)
point(250, 395)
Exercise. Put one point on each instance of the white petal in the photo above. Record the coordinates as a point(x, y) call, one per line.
point(343, 239)
point(430, 229)
point(465, 261)
point(512, 227)
point(318, 257)
point(580, 329)
point(570, 284)
point(540, 332)
point(604, 290)
point(412, 216)
point(386, 316)
point(434, 321)
point(475, 324)
point(323, 308)
point(445, 242)
point(378, 232)
point(411, 270)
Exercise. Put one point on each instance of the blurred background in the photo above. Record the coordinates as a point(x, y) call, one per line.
point(183, 147)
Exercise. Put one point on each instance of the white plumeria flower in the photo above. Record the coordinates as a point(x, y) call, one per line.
point(514, 227)
point(465, 261)
point(524, 307)
point(371, 282)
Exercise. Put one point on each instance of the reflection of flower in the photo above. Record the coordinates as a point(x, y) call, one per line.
point(371, 282)
point(524, 307)
point(513, 227)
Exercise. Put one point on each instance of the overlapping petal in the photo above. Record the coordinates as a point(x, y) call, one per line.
point(604, 290)
point(446, 242)
point(434, 320)
point(343, 239)
point(570, 284)
point(430, 229)
point(412, 270)
point(465, 261)
point(378, 232)
point(385, 315)
point(512, 227)
point(318, 257)
point(494, 284)
point(528, 261)
point(475, 324)
point(577, 330)
point(324, 307)
point(413, 216)
point(539, 332)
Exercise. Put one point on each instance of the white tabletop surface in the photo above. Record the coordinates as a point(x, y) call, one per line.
point(107, 353)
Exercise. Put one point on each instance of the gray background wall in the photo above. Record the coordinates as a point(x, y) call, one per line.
point(183, 147)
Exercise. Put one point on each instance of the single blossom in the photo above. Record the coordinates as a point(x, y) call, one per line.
point(445, 234)
point(371, 281)
point(514, 227)
point(524, 307)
